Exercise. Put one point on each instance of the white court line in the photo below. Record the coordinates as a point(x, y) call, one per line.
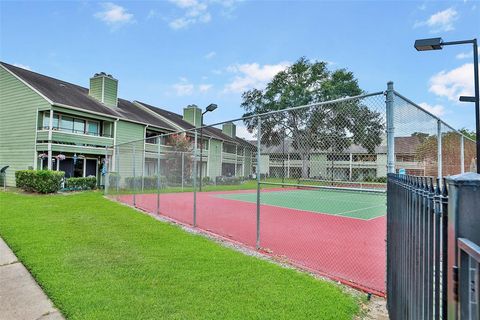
point(377, 206)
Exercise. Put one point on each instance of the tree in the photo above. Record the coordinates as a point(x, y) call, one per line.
point(178, 158)
point(332, 127)
point(468, 133)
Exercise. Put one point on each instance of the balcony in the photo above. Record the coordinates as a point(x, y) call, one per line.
point(74, 137)
point(228, 157)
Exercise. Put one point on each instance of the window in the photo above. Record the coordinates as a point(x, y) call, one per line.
point(93, 128)
point(151, 137)
point(79, 126)
point(365, 158)
point(338, 157)
point(46, 120)
point(66, 124)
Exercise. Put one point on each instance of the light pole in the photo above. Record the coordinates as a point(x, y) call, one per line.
point(211, 107)
point(437, 44)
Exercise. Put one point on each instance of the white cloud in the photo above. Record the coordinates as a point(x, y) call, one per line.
point(243, 132)
point(114, 15)
point(440, 21)
point(198, 11)
point(183, 88)
point(203, 88)
point(252, 75)
point(210, 55)
point(464, 55)
point(194, 11)
point(453, 83)
point(186, 88)
point(23, 66)
point(437, 110)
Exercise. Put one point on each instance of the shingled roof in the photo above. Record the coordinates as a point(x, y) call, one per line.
point(207, 131)
point(64, 93)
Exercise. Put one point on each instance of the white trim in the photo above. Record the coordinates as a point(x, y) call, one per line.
point(27, 84)
point(49, 153)
point(114, 147)
point(35, 156)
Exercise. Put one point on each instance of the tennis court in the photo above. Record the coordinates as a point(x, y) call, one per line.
point(336, 201)
point(336, 233)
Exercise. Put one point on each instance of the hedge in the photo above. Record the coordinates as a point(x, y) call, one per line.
point(41, 181)
point(148, 182)
point(88, 183)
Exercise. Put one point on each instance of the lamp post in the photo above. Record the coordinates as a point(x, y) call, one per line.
point(211, 107)
point(437, 44)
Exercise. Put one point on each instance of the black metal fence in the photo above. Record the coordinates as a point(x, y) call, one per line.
point(425, 280)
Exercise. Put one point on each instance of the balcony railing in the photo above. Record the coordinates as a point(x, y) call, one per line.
point(71, 130)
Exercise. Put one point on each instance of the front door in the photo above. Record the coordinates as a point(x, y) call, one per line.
point(78, 168)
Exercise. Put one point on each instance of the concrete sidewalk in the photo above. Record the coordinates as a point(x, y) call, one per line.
point(21, 298)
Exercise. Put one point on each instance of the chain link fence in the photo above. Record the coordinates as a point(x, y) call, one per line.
point(306, 185)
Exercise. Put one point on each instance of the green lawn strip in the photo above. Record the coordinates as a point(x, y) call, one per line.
point(100, 260)
point(348, 204)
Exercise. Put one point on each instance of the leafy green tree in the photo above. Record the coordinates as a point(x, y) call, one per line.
point(332, 127)
point(180, 150)
point(468, 133)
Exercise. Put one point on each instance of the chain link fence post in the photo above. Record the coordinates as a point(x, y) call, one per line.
point(195, 152)
point(259, 138)
point(105, 177)
point(462, 154)
point(158, 175)
point(390, 128)
point(183, 169)
point(439, 149)
point(117, 167)
point(134, 178)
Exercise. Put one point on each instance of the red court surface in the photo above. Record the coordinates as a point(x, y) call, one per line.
point(346, 249)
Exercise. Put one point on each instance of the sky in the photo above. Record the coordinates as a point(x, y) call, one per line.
point(180, 52)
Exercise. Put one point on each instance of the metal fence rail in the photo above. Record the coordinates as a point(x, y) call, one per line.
point(433, 254)
point(417, 224)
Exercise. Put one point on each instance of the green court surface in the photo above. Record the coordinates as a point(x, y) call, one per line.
point(353, 204)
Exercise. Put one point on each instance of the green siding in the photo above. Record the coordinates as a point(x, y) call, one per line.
point(127, 132)
point(111, 90)
point(80, 139)
point(214, 158)
point(96, 84)
point(61, 148)
point(104, 89)
point(248, 161)
point(18, 108)
point(193, 115)
point(229, 129)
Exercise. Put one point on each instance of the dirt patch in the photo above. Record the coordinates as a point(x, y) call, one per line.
point(375, 309)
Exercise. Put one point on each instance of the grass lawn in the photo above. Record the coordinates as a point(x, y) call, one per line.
point(100, 260)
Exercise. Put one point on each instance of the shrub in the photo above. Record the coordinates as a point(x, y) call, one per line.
point(223, 180)
point(148, 182)
point(88, 183)
point(41, 181)
point(113, 179)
